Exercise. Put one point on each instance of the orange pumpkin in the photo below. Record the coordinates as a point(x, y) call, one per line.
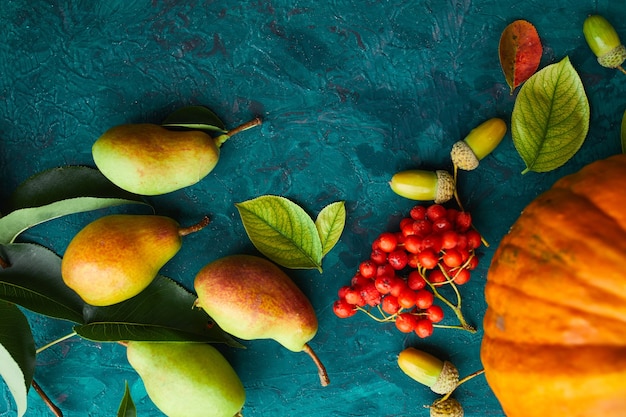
point(555, 327)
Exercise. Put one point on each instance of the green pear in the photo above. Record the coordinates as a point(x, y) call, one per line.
point(115, 257)
point(187, 379)
point(149, 159)
point(252, 298)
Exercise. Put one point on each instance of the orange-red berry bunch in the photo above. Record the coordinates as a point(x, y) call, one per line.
point(434, 247)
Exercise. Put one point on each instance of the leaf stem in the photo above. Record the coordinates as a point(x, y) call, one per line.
point(55, 410)
point(619, 67)
point(54, 342)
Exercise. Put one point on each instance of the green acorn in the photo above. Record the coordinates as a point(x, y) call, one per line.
point(417, 184)
point(604, 42)
point(480, 142)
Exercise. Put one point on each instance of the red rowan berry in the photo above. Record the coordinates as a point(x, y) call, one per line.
point(435, 211)
point(398, 259)
point(424, 328)
point(434, 313)
point(390, 304)
point(428, 258)
point(453, 258)
point(343, 309)
point(418, 213)
point(406, 322)
point(424, 299)
point(407, 298)
point(387, 241)
point(368, 268)
point(415, 280)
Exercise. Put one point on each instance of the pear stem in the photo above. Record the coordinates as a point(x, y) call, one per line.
point(184, 231)
point(252, 123)
point(55, 410)
point(321, 370)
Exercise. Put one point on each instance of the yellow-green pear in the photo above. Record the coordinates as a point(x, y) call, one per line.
point(187, 379)
point(117, 256)
point(149, 159)
point(252, 298)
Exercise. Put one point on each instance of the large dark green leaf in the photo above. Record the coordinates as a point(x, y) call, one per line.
point(33, 280)
point(17, 354)
point(195, 117)
point(164, 311)
point(127, 406)
point(58, 192)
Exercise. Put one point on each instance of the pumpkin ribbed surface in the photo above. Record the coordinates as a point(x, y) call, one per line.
point(555, 326)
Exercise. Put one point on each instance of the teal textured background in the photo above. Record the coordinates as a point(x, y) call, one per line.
point(350, 93)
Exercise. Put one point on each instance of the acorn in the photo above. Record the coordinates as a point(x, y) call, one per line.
point(441, 377)
point(604, 42)
point(446, 408)
point(480, 142)
point(424, 185)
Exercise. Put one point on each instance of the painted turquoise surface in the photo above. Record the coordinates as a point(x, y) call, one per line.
point(350, 93)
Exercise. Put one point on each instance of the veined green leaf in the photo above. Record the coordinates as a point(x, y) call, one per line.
point(164, 311)
point(33, 280)
point(281, 230)
point(17, 354)
point(58, 192)
point(623, 133)
point(550, 118)
point(330, 223)
point(127, 406)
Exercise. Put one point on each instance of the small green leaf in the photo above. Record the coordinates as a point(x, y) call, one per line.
point(58, 192)
point(623, 133)
point(17, 354)
point(196, 118)
point(330, 223)
point(282, 231)
point(550, 117)
point(33, 280)
point(127, 406)
point(164, 311)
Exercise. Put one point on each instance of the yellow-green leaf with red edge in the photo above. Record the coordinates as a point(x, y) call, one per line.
point(520, 52)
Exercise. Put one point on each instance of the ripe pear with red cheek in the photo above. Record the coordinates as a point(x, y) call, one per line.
point(252, 298)
point(117, 256)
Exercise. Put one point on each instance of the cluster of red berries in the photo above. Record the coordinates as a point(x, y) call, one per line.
point(434, 247)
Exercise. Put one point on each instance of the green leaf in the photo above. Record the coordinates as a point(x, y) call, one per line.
point(550, 117)
point(195, 117)
point(164, 311)
point(33, 280)
point(330, 223)
point(17, 354)
point(127, 406)
point(282, 231)
point(623, 133)
point(58, 192)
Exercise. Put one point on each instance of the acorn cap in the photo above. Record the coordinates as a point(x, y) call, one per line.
point(446, 408)
point(614, 58)
point(445, 186)
point(447, 380)
point(463, 156)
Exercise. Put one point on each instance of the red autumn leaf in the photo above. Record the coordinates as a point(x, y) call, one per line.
point(520, 52)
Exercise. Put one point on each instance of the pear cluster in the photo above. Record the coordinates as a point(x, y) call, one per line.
point(114, 258)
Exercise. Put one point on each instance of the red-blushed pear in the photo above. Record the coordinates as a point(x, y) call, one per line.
point(149, 159)
point(115, 257)
point(252, 298)
point(187, 379)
